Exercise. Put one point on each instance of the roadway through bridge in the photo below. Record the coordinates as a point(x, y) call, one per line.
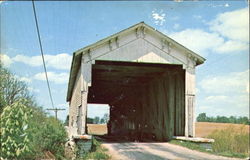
point(155, 151)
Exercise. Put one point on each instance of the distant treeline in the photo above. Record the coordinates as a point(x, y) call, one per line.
point(98, 120)
point(202, 117)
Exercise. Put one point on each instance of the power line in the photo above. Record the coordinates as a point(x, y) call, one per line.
point(41, 49)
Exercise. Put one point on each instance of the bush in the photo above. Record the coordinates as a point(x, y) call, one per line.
point(15, 138)
point(50, 136)
point(27, 133)
point(233, 140)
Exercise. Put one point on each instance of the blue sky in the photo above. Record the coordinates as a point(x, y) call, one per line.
point(217, 30)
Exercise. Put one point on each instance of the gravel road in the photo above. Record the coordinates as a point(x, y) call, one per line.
point(155, 151)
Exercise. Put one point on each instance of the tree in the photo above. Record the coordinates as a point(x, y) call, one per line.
point(11, 89)
point(222, 119)
point(90, 120)
point(202, 117)
point(232, 119)
point(96, 120)
point(243, 120)
point(106, 118)
point(102, 121)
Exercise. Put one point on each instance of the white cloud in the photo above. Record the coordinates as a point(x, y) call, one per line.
point(229, 33)
point(33, 60)
point(234, 83)
point(198, 40)
point(225, 92)
point(58, 78)
point(59, 61)
point(226, 5)
point(25, 79)
point(159, 18)
point(5, 60)
point(233, 25)
point(232, 46)
point(204, 42)
point(236, 104)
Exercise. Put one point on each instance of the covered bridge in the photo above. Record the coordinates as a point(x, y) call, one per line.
point(147, 78)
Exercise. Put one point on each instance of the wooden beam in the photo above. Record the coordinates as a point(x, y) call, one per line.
point(122, 63)
point(133, 74)
point(128, 68)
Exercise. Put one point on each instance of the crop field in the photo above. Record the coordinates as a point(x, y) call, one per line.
point(203, 129)
point(97, 129)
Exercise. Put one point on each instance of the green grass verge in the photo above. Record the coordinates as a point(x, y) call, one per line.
point(196, 146)
point(97, 152)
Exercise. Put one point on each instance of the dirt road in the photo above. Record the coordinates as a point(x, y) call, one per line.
point(154, 151)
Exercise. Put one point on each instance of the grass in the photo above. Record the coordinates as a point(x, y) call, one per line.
point(97, 152)
point(229, 142)
point(190, 145)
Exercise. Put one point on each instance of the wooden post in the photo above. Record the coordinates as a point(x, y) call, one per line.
point(86, 69)
point(55, 110)
point(189, 102)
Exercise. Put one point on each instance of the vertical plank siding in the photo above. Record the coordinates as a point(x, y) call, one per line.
point(159, 110)
point(74, 104)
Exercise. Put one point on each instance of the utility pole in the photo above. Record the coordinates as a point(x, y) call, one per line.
point(55, 110)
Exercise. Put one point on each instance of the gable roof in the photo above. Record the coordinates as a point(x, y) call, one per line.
point(77, 55)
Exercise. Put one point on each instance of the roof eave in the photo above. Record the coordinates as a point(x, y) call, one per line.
point(74, 66)
point(80, 52)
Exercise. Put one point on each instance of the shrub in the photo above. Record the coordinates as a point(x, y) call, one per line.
point(234, 140)
point(48, 134)
point(51, 136)
point(15, 138)
point(27, 133)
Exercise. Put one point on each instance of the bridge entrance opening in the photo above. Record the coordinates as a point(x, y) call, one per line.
point(147, 100)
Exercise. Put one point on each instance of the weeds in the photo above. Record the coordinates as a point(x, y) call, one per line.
point(97, 152)
point(233, 140)
point(230, 142)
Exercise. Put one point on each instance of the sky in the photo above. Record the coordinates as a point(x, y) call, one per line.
point(216, 30)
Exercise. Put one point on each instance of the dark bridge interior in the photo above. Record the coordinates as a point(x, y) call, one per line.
point(147, 100)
